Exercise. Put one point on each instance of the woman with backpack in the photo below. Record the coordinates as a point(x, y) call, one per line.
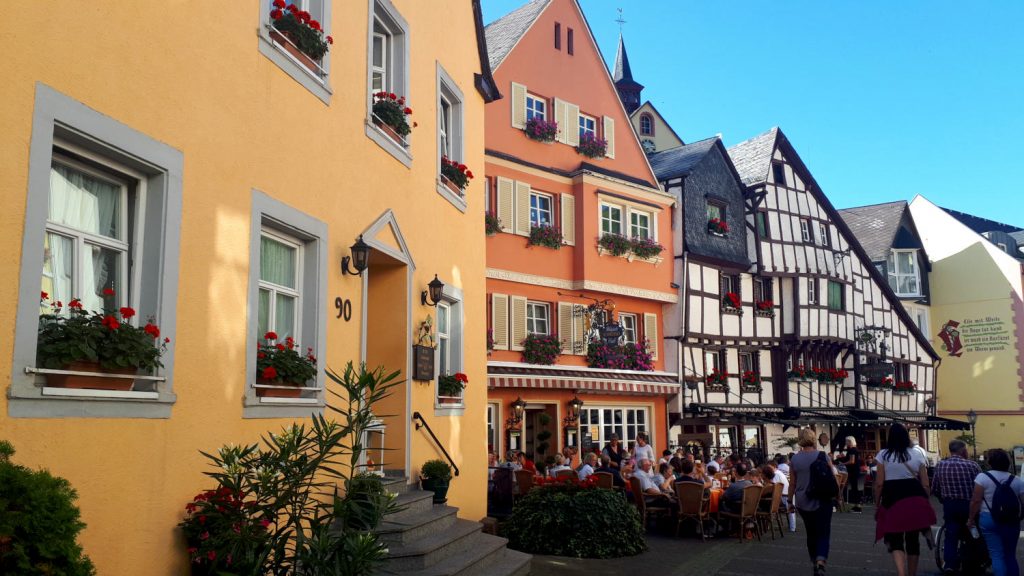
point(902, 509)
point(812, 488)
point(999, 498)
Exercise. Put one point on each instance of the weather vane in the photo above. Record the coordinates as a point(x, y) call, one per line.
point(620, 20)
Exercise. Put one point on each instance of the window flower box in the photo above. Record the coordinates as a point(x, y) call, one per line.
point(880, 385)
point(450, 387)
point(799, 374)
point(455, 176)
point(631, 356)
point(616, 244)
point(299, 35)
point(645, 248)
point(547, 236)
point(829, 375)
point(541, 130)
point(750, 381)
point(731, 304)
point(281, 364)
point(390, 114)
point(764, 308)
point(716, 381)
point(904, 388)
point(591, 146)
point(492, 225)
point(541, 349)
point(76, 340)
point(718, 227)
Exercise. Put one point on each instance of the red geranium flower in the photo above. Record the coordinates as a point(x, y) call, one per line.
point(279, 4)
point(127, 312)
point(76, 304)
point(111, 322)
point(270, 336)
point(44, 296)
point(469, 174)
point(152, 330)
point(407, 111)
point(330, 40)
point(270, 373)
point(279, 346)
point(108, 291)
point(460, 377)
point(293, 8)
point(392, 96)
point(276, 14)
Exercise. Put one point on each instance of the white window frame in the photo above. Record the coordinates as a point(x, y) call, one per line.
point(444, 353)
point(275, 289)
point(538, 210)
point(494, 427)
point(894, 274)
point(629, 328)
point(823, 234)
point(587, 125)
point(316, 83)
point(452, 298)
point(609, 219)
point(626, 432)
point(812, 291)
point(450, 133)
point(532, 318)
point(444, 126)
point(383, 14)
point(715, 210)
point(647, 130)
point(384, 70)
point(648, 228)
point(805, 229)
point(532, 108)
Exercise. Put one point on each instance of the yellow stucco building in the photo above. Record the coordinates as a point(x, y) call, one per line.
point(186, 155)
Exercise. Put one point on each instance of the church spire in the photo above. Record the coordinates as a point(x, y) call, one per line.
point(629, 89)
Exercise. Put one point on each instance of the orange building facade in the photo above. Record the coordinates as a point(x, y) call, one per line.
point(574, 259)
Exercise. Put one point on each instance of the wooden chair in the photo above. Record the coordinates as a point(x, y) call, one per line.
point(524, 481)
point(748, 510)
point(605, 480)
point(841, 478)
point(641, 503)
point(693, 504)
point(766, 516)
point(563, 474)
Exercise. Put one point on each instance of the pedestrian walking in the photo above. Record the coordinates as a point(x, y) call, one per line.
point(809, 467)
point(953, 483)
point(853, 463)
point(996, 507)
point(902, 509)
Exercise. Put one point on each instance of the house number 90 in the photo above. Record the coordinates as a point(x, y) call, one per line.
point(344, 308)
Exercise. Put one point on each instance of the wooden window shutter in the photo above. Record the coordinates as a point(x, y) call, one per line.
point(566, 333)
point(580, 326)
point(522, 216)
point(506, 204)
point(572, 124)
point(609, 136)
point(569, 219)
point(517, 321)
point(651, 334)
point(562, 134)
point(518, 106)
point(499, 321)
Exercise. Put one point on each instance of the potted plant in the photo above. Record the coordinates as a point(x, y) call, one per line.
point(100, 342)
point(631, 356)
point(454, 175)
point(541, 349)
point(904, 388)
point(882, 384)
point(765, 308)
point(490, 341)
point(541, 130)
point(299, 34)
point(280, 364)
point(435, 475)
point(717, 381)
point(616, 244)
point(390, 114)
point(645, 248)
point(799, 374)
point(691, 381)
point(751, 381)
point(546, 235)
point(731, 303)
point(450, 386)
point(718, 227)
point(492, 225)
point(591, 146)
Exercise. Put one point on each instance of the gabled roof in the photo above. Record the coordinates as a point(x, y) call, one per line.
point(660, 115)
point(679, 161)
point(875, 226)
point(504, 33)
point(484, 81)
point(623, 73)
point(753, 158)
point(981, 225)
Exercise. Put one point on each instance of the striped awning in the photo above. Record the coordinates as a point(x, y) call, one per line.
point(584, 385)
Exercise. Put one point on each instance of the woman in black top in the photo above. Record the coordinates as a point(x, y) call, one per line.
point(853, 462)
point(614, 451)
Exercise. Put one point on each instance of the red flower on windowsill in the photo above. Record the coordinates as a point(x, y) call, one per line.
point(732, 300)
point(718, 226)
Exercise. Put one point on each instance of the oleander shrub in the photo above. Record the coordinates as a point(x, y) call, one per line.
point(577, 519)
point(39, 522)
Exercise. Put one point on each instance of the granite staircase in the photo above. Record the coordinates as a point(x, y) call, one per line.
point(427, 539)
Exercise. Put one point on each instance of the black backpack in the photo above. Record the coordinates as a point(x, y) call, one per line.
point(822, 484)
point(1005, 507)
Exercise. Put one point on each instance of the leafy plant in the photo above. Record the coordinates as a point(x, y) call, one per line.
point(717, 380)
point(732, 301)
point(645, 247)
point(452, 384)
point(306, 33)
point(282, 513)
point(390, 109)
point(546, 235)
point(627, 357)
point(492, 225)
point(617, 244)
point(436, 469)
point(718, 226)
point(456, 173)
point(541, 349)
point(281, 362)
point(906, 387)
point(543, 436)
point(591, 146)
point(541, 130)
point(105, 337)
point(39, 522)
point(576, 519)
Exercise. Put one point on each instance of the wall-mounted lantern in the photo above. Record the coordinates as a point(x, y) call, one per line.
point(518, 408)
point(433, 294)
point(359, 259)
point(575, 405)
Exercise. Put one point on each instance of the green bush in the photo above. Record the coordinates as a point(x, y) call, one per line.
point(436, 469)
point(39, 522)
point(569, 519)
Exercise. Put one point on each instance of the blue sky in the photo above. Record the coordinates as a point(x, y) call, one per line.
point(883, 100)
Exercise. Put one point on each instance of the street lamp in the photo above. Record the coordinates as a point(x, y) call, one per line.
point(972, 419)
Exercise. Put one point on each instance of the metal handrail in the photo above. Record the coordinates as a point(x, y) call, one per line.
point(423, 423)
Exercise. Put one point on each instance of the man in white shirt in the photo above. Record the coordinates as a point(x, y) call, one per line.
point(588, 466)
point(642, 449)
point(558, 466)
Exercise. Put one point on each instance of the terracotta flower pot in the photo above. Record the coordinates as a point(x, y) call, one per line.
point(91, 382)
point(283, 40)
point(449, 400)
point(278, 392)
point(389, 131)
point(451, 186)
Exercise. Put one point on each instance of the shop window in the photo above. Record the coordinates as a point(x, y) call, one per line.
point(626, 423)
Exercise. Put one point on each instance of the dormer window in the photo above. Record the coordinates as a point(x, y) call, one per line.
point(904, 276)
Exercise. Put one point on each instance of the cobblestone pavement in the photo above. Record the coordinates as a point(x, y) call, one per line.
point(853, 553)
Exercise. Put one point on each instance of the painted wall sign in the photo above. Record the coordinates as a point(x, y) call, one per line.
point(985, 334)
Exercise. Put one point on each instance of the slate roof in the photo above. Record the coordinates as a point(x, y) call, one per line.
point(1018, 236)
point(623, 72)
point(503, 34)
point(753, 157)
point(875, 226)
point(678, 161)
point(981, 225)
